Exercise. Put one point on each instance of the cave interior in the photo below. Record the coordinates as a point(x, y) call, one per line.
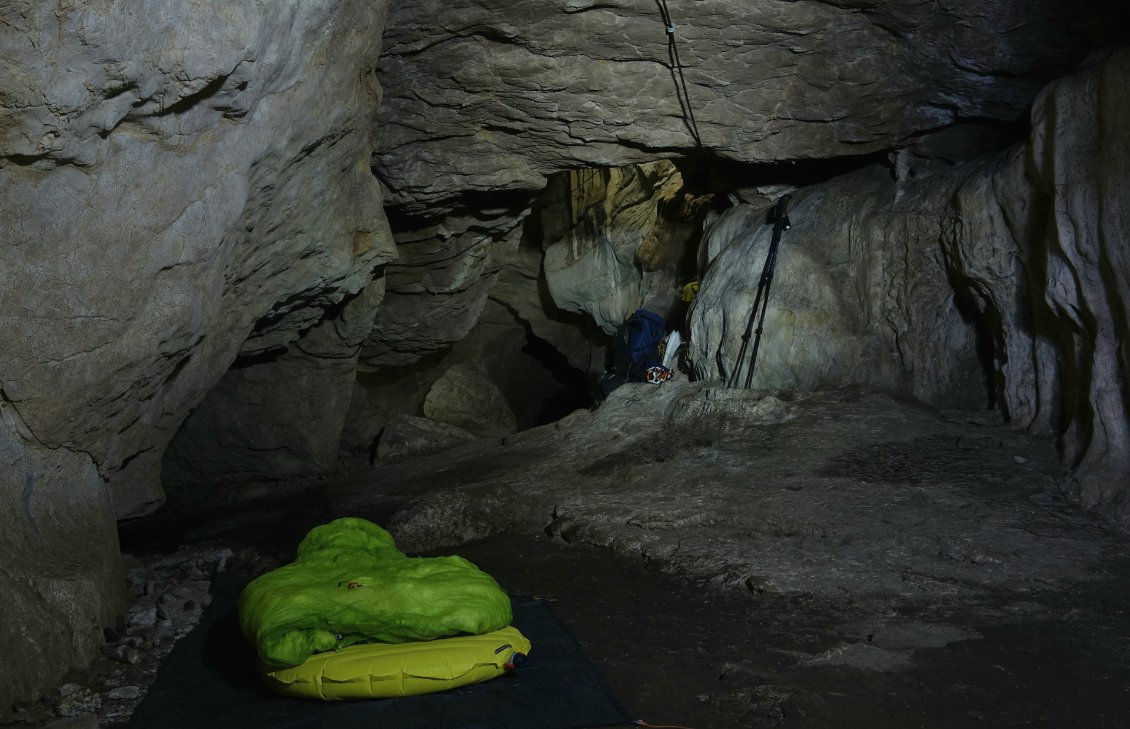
point(271, 266)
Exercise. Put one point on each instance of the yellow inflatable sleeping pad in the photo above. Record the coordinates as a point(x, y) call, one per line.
point(386, 670)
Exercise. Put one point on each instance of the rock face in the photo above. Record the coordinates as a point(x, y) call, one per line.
point(618, 240)
point(439, 285)
point(1047, 265)
point(61, 575)
point(859, 293)
point(186, 182)
point(279, 419)
point(468, 289)
point(465, 398)
point(515, 91)
point(408, 436)
point(519, 93)
point(181, 178)
point(1016, 261)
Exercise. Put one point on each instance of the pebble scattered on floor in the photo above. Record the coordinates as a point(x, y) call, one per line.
point(168, 594)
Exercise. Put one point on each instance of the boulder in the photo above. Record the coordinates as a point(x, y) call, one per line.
point(464, 397)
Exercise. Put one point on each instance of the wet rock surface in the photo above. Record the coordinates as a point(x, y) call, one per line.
point(734, 559)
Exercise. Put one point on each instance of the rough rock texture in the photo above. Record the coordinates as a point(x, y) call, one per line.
point(522, 289)
point(188, 186)
point(377, 399)
point(517, 90)
point(279, 419)
point(464, 397)
point(406, 436)
point(510, 343)
point(835, 493)
point(916, 530)
point(420, 332)
point(426, 326)
point(617, 240)
point(1032, 241)
point(859, 293)
point(167, 595)
point(184, 182)
point(439, 285)
point(541, 359)
point(1047, 265)
point(181, 163)
point(60, 575)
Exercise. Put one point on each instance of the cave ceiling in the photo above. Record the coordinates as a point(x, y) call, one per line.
point(493, 95)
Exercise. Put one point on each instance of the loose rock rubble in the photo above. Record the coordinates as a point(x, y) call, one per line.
point(168, 594)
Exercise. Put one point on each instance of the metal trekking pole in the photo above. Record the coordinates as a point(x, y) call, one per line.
point(760, 302)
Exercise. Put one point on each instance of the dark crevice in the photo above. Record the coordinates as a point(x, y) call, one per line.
point(986, 327)
point(967, 138)
point(212, 88)
point(486, 205)
point(709, 173)
point(130, 459)
point(178, 368)
point(258, 358)
point(590, 8)
point(25, 159)
point(391, 374)
point(571, 388)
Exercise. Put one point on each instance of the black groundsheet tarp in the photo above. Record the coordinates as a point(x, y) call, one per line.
point(209, 681)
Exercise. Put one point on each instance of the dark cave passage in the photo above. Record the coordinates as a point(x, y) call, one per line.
point(557, 390)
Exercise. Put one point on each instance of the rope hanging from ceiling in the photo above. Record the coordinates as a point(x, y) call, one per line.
point(681, 87)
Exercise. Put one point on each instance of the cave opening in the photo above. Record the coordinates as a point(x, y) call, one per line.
point(566, 389)
point(708, 173)
point(984, 318)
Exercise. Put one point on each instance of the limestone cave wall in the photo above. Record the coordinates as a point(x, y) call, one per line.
point(928, 275)
point(999, 281)
point(199, 261)
point(181, 183)
point(1048, 261)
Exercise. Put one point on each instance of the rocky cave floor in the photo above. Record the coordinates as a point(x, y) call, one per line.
point(727, 559)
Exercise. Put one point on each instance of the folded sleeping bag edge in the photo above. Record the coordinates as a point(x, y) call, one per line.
point(349, 584)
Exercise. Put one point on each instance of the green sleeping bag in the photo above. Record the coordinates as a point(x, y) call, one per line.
point(350, 584)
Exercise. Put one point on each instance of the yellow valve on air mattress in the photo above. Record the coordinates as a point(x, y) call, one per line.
point(386, 670)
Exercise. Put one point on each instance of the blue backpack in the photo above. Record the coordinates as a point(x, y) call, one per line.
point(635, 349)
point(644, 333)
